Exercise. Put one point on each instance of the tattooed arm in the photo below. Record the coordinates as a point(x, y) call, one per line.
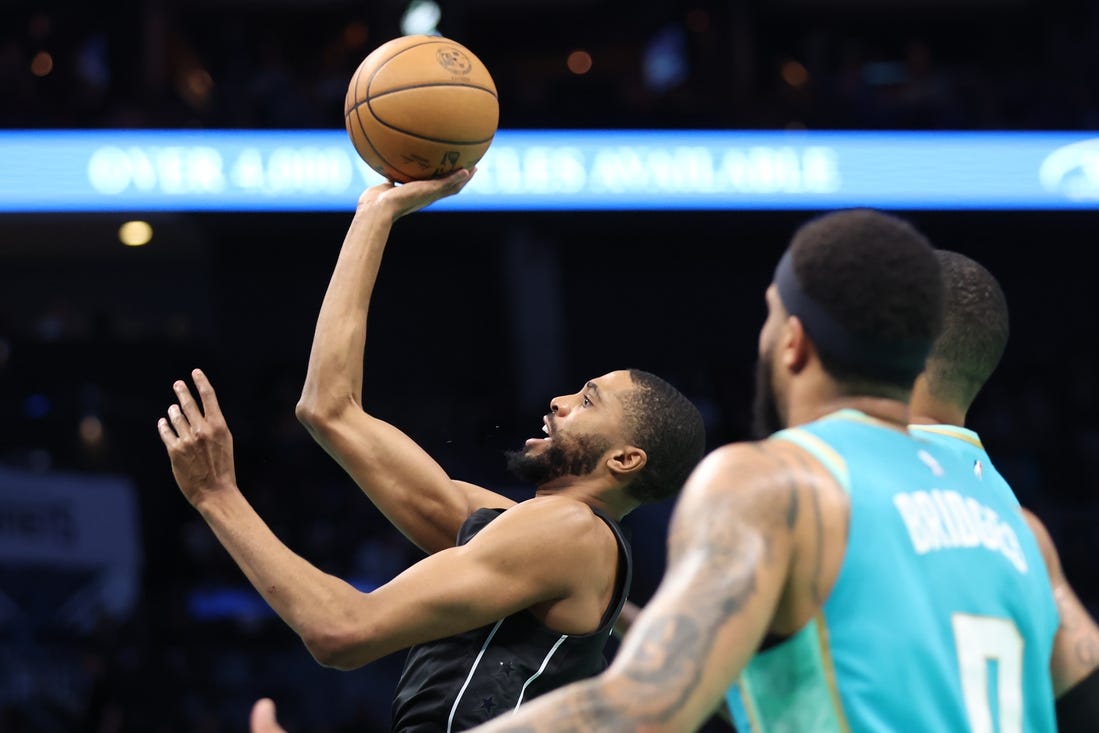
point(627, 618)
point(1076, 646)
point(729, 555)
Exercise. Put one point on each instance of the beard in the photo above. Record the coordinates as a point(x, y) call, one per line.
point(565, 456)
point(765, 415)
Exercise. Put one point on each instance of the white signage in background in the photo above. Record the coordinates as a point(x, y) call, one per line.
point(1073, 171)
point(169, 170)
point(557, 170)
point(85, 526)
point(198, 170)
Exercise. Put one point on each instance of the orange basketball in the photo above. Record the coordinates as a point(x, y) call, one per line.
point(420, 107)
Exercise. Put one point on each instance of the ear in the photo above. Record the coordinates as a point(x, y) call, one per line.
point(796, 347)
point(626, 461)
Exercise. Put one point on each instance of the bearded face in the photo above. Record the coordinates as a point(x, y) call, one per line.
point(766, 419)
point(564, 455)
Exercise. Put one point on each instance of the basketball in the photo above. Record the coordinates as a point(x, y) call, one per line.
point(421, 107)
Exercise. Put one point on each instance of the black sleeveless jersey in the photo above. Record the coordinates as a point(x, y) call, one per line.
point(459, 682)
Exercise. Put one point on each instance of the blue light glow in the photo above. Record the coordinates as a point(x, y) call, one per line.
point(529, 170)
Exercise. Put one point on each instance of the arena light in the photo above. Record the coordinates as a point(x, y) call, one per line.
point(135, 233)
point(579, 62)
point(421, 17)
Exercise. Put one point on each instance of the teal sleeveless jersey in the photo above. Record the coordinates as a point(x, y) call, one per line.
point(942, 616)
point(968, 443)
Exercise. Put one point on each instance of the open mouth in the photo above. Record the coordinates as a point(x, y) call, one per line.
point(546, 430)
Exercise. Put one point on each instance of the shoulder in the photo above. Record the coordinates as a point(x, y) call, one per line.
point(545, 540)
point(563, 509)
point(763, 486)
point(569, 520)
point(759, 466)
point(543, 522)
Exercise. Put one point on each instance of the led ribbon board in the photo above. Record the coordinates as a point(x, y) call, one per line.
point(532, 170)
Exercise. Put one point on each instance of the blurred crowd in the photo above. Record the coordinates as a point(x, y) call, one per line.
point(85, 371)
point(911, 64)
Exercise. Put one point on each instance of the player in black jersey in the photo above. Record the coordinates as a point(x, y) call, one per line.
point(514, 599)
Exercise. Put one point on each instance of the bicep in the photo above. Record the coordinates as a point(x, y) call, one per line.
point(446, 594)
point(509, 566)
point(402, 479)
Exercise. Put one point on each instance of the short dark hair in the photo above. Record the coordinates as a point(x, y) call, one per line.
point(878, 278)
point(669, 428)
point(974, 333)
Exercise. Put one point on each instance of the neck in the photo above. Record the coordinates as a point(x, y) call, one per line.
point(813, 398)
point(611, 500)
point(924, 409)
point(894, 413)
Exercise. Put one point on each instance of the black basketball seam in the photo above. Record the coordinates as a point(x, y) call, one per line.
point(355, 107)
point(359, 120)
point(418, 136)
point(382, 122)
point(408, 48)
point(465, 85)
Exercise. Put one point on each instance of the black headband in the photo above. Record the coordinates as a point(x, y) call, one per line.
point(873, 356)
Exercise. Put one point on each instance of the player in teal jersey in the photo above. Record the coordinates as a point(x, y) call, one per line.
point(843, 573)
point(967, 351)
point(963, 357)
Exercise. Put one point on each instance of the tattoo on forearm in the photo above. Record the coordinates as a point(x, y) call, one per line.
point(1087, 652)
point(672, 655)
point(798, 468)
point(792, 511)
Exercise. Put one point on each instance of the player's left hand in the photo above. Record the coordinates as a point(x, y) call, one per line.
point(403, 199)
point(199, 443)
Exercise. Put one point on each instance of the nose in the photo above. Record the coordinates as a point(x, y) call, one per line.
point(559, 406)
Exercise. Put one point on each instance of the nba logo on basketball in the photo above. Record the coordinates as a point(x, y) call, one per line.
point(454, 61)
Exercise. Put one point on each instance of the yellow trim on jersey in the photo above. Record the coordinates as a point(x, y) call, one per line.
point(849, 413)
point(747, 700)
point(830, 671)
point(820, 450)
point(949, 432)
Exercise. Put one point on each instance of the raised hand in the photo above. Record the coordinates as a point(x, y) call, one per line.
point(199, 443)
point(408, 197)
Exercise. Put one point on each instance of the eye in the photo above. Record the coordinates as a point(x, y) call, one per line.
point(586, 402)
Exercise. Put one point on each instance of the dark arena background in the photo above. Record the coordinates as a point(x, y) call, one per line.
point(119, 611)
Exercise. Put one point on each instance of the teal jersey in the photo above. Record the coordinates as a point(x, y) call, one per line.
point(968, 443)
point(942, 616)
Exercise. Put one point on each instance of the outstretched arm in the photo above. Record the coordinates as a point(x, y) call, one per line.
point(730, 550)
point(1075, 662)
point(403, 481)
point(526, 556)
